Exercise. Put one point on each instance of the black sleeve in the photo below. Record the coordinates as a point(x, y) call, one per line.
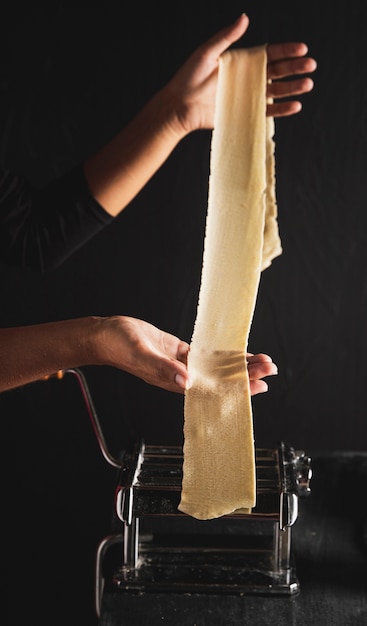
point(40, 228)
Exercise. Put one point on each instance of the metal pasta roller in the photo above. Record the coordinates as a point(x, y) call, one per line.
point(157, 548)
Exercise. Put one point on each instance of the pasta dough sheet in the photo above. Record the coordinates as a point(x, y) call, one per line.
point(241, 239)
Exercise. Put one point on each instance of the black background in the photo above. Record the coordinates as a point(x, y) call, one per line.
point(71, 77)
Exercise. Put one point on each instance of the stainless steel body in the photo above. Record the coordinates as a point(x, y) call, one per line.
point(162, 549)
point(157, 548)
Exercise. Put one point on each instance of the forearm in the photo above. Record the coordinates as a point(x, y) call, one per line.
point(30, 353)
point(117, 172)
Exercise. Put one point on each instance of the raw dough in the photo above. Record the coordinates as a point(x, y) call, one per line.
point(241, 239)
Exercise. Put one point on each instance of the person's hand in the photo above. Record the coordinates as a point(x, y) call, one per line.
point(145, 351)
point(160, 358)
point(259, 366)
point(193, 87)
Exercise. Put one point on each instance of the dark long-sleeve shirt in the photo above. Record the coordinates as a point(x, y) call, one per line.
point(40, 228)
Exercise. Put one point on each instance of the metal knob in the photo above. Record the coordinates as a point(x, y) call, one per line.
point(303, 473)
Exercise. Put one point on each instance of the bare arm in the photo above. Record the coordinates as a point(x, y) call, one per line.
point(30, 353)
point(121, 169)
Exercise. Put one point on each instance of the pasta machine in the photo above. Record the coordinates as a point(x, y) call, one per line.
point(154, 547)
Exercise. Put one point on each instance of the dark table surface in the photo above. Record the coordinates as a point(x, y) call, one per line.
point(329, 542)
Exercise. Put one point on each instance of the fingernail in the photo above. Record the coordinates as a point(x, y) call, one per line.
point(182, 382)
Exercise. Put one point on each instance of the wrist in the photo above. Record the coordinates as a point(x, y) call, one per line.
point(95, 340)
point(107, 341)
point(169, 111)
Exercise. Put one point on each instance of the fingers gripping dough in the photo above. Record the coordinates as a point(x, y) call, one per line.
point(241, 239)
